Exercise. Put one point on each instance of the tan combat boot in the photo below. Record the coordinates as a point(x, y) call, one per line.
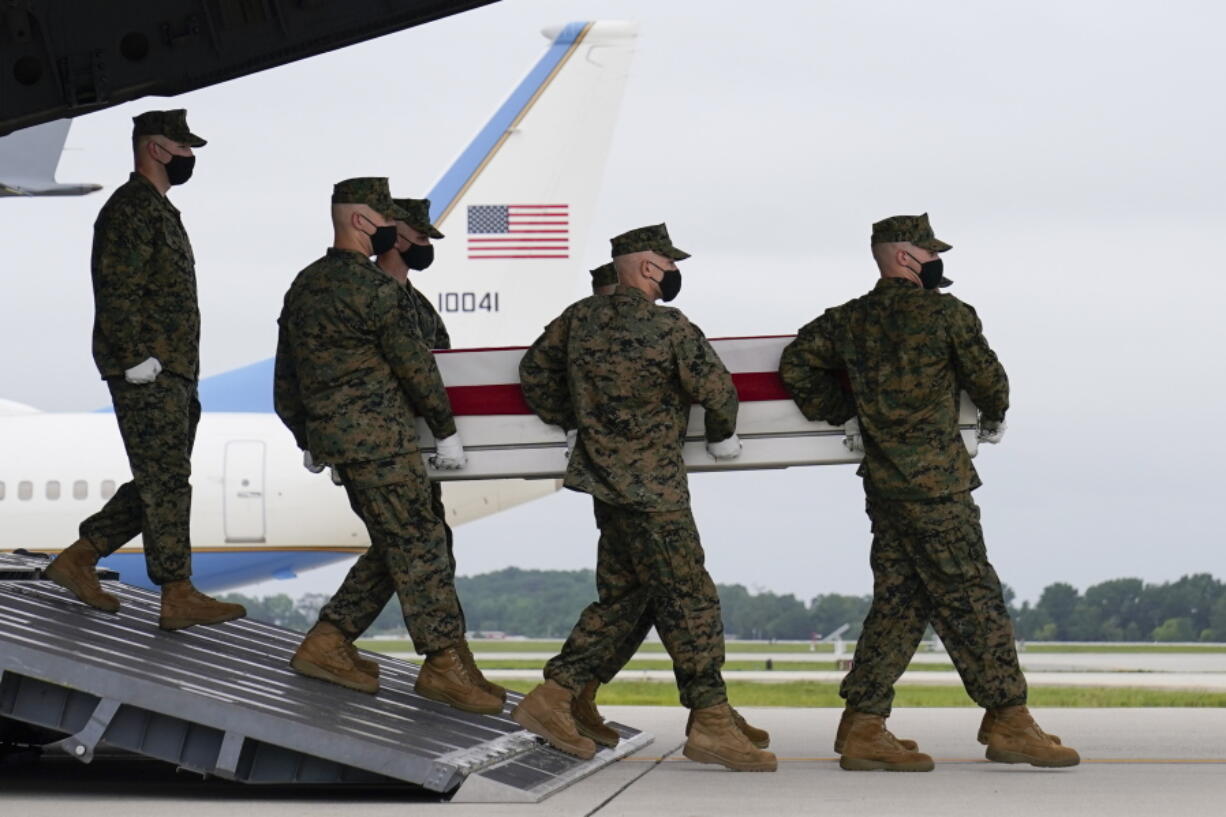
point(1014, 737)
point(185, 606)
point(74, 570)
point(840, 737)
point(985, 726)
point(715, 738)
point(546, 711)
point(758, 737)
point(445, 678)
point(365, 665)
point(324, 654)
point(470, 663)
point(869, 746)
point(588, 719)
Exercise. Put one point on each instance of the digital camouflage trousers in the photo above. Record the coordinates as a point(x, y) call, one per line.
point(649, 565)
point(157, 422)
point(930, 565)
point(409, 556)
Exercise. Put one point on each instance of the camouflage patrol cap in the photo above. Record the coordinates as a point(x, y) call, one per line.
point(913, 229)
point(171, 124)
point(604, 275)
point(419, 215)
point(371, 191)
point(653, 237)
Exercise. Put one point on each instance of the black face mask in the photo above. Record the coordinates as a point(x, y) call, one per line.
point(418, 256)
point(931, 272)
point(670, 284)
point(382, 239)
point(179, 168)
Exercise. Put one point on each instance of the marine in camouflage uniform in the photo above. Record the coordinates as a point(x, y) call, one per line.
point(145, 306)
point(620, 373)
point(426, 324)
point(908, 353)
point(624, 372)
point(351, 375)
point(604, 282)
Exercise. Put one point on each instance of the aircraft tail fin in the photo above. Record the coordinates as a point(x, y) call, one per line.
point(29, 157)
point(517, 203)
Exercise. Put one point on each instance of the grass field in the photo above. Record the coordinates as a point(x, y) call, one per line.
point(729, 666)
point(552, 647)
point(810, 694)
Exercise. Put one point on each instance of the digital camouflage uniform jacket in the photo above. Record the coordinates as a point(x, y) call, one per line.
point(144, 278)
point(908, 353)
point(625, 372)
point(350, 374)
point(426, 321)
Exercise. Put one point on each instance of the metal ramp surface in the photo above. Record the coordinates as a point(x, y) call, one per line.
point(222, 701)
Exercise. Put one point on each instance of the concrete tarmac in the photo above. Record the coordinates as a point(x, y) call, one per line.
point(1135, 762)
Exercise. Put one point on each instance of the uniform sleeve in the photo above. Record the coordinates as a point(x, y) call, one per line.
point(810, 369)
point(979, 372)
point(412, 363)
point(542, 376)
point(442, 340)
point(287, 400)
point(705, 378)
point(124, 240)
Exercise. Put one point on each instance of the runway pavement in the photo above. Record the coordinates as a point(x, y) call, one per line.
point(1136, 762)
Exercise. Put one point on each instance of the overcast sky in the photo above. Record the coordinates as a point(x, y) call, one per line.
point(1071, 153)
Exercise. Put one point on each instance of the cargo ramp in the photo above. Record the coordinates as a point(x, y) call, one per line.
point(222, 701)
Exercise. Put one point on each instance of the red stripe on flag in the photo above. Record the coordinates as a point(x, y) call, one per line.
point(484, 257)
point(480, 401)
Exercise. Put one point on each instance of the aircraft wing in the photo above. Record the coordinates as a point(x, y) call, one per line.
point(28, 159)
point(503, 439)
point(64, 58)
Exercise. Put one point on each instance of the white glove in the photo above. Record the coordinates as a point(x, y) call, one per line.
point(572, 437)
point(310, 464)
point(449, 454)
point(853, 441)
point(145, 372)
point(990, 433)
point(724, 450)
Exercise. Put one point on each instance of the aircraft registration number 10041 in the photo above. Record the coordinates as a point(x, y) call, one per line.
point(468, 302)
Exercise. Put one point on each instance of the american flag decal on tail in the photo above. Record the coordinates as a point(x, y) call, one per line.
point(518, 231)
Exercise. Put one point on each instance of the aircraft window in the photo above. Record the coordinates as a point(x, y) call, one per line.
point(1, 489)
point(108, 488)
point(80, 489)
point(53, 489)
point(25, 489)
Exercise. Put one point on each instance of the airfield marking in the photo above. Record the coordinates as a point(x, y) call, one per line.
point(1104, 761)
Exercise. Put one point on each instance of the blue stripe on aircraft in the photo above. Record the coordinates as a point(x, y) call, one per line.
point(453, 181)
point(249, 389)
point(218, 570)
point(246, 389)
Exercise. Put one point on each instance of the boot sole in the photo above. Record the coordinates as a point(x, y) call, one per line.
point(1005, 756)
point(592, 735)
point(444, 698)
point(71, 587)
point(703, 756)
point(982, 737)
point(860, 764)
point(534, 726)
point(171, 624)
point(303, 667)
